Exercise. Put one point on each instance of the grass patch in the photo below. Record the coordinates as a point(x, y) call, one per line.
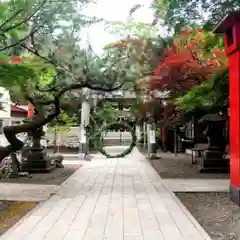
point(11, 212)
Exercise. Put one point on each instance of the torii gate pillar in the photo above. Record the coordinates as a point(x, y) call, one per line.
point(230, 28)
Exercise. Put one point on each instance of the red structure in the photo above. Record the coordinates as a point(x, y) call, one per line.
point(230, 27)
point(18, 111)
point(30, 110)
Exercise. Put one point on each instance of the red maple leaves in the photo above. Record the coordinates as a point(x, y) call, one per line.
point(13, 60)
point(184, 65)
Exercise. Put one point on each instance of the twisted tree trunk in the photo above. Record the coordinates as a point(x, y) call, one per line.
point(10, 132)
point(40, 120)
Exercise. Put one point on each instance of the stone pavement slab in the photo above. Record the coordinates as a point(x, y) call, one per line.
point(113, 199)
point(73, 162)
point(26, 192)
point(197, 185)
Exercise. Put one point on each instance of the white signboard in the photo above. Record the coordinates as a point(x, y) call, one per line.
point(83, 138)
point(152, 137)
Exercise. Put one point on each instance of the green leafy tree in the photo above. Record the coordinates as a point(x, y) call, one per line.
point(213, 94)
point(192, 13)
point(55, 64)
point(193, 58)
point(142, 45)
point(105, 114)
point(62, 123)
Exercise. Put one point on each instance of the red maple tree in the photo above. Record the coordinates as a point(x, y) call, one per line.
point(184, 65)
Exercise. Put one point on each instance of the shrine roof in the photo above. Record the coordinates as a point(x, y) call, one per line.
point(15, 108)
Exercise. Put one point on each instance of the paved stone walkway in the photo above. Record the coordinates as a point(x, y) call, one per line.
point(26, 192)
point(112, 199)
point(197, 185)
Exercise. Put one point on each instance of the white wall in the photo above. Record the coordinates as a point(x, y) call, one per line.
point(71, 138)
point(16, 119)
point(6, 103)
point(5, 113)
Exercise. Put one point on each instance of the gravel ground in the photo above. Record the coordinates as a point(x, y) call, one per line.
point(55, 177)
point(180, 166)
point(215, 212)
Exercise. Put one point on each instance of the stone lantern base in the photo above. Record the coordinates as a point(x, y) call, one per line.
point(37, 161)
point(213, 162)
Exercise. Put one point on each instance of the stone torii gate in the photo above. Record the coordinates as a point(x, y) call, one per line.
point(230, 28)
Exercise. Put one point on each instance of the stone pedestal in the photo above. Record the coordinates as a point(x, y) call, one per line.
point(213, 161)
point(36, 159)
point(213, 158)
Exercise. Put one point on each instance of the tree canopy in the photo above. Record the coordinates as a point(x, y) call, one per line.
point(212, 93)
point(192, 13)
point(45, 36)
point(188, 62)
point(192, 73)
point(45, 61)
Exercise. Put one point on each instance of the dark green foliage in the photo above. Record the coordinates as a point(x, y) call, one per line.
point(184, 13)
point(213, 93)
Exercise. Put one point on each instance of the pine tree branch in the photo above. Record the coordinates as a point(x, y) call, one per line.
point(23, 21)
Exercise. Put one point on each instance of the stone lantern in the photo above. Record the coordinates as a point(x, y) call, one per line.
point(36, 159)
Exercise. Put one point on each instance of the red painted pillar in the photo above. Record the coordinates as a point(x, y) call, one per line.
point(230, 27)
point(234, 89)
point(30, 110)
